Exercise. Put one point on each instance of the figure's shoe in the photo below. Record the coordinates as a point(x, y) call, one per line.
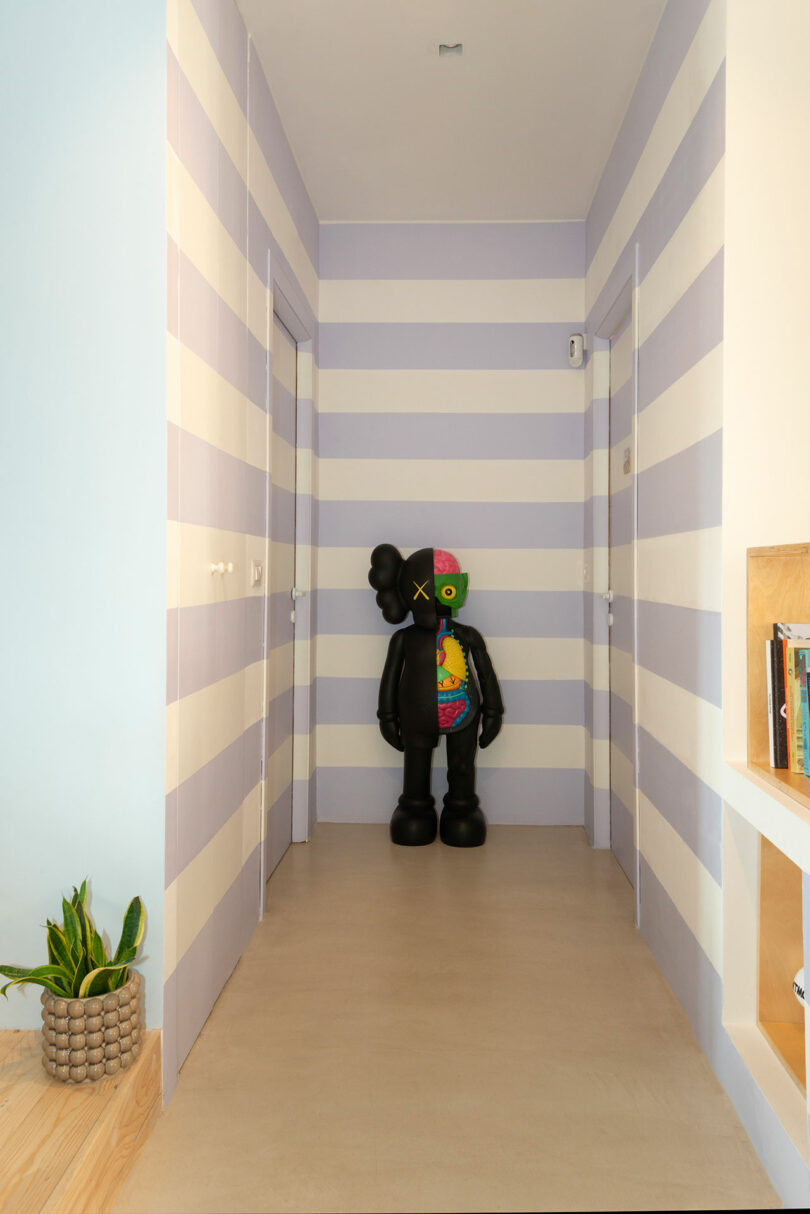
point(414, 822)
point(463, 823)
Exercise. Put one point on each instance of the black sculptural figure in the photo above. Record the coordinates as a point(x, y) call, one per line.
point(430, 687)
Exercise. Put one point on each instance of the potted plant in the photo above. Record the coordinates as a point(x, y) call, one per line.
point(91, 1005)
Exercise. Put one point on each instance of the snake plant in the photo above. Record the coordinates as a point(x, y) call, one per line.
point(78, 966)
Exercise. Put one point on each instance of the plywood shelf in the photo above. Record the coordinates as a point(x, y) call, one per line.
point(67, 1149)
point(790, 782)
point(781, 951)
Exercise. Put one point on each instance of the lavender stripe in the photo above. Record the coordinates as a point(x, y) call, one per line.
point(172, 672)
point(621, 837)
point(622, 630)
point(674, 36)
point(215, 489)
point(622, 515)
point(691, 166)
point(228, 37)
point(308, 436)
point(203, 803)
point(279, 830)
point(280, 628)
point(621, 412)
point(451, 524)
point(279, 723)
point(536, 347)
point(597, 712)
point(442, 436)
point(692, 328)
point(282, 515)
point(691, 808)
point(260, 240)
point(597, 424)
point(303, 708)
point(201, 973)
point(216, 334)
point(199, 149)
point(266, 126)
point(538, 797)
point(449, 250)
point(597, 814)
point(505, 613)
point(596, 522)
point(681, 644)
point(622, 727)
point(684, 492)
point(284, 412)
point(172, 286)
point(213, 641)
point(343, 701)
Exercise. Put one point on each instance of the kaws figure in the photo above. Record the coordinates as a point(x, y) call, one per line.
point(429, 688)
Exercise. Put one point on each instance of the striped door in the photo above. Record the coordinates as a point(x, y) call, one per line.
point(281, 629)
point(622, 632)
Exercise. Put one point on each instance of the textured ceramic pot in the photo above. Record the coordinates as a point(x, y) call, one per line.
point(84, 1040)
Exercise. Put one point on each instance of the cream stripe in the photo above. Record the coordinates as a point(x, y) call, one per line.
point(696, 241)
point(340, 657)
point(689, 410)
point(280, 670)
point(451, 480)
point(597, 666)
point(279, 772)
point(212, 409)
point(684, 569)
point(623, 781)
point(443, 301)
point(191, 551)
point(622, 675)
point(691, 887)
point(596, 473)
point(201, 725)
point(400, 391)
point(621, 360)
point(698, 70)
point(303, 757)
point(529, 746)
point(196, 229)
point(283, 465)
point(195, 893)
point(270, 202)
point(622, 573)
point(285, 361)
point(201, 67)
point(689, 727)
point(491, 568)
point(598, 754)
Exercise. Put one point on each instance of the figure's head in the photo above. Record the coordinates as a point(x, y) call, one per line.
point(429, 583)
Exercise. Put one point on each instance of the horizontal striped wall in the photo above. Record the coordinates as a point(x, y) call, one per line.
point(229, 696)
point(658, 219)
point(449, 417)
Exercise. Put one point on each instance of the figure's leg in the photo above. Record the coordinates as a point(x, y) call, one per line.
point(463, 823)
point(414, 820)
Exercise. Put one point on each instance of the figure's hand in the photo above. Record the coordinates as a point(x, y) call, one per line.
point(390, 732)
point(490, 730)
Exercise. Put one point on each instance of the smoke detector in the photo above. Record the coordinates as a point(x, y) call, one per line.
point(451, 48)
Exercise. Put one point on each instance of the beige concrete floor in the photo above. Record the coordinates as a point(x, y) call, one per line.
point(445, 1030)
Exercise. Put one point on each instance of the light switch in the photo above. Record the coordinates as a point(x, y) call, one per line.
point(256, 573)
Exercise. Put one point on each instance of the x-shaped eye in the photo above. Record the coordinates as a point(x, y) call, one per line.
point(421, 590)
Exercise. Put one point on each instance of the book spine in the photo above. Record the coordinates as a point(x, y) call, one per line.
point(769, 682)
point(780, 716)
point(804, 654)
point(791, 740)
point(794, 708)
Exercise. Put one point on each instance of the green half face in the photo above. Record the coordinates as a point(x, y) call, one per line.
point(450, 590)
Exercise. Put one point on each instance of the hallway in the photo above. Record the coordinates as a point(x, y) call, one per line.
point(436, 1029)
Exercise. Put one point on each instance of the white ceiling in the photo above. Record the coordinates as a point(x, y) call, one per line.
point(518, 128)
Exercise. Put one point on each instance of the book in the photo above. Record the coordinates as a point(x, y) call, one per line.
point(771, 703)
point(786, 633)
point(779, 712)
point(803, 656)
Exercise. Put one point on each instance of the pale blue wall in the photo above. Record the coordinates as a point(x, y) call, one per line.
point(82, 471)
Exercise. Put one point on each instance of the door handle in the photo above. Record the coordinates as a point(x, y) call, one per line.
point(607, 595)
point(295, 593)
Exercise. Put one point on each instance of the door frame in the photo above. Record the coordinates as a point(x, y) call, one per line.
point(279, 293)
point(626, 298)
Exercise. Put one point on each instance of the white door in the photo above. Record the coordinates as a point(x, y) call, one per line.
point(280, 622)
point(621, 549)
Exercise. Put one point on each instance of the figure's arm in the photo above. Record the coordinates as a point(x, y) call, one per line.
point(491, 700)
point(387, 710)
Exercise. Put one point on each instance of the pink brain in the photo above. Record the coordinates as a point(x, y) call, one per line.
point(444, 562)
